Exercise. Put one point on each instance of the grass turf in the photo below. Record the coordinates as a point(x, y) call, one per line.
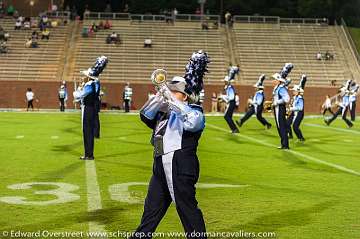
point(287, 193)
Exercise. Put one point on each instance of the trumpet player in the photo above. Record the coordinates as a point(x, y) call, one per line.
point(87, 95)
point(177, 127)
point(229, 98)
point(256, 105)
point(280, 99)
point(343, 106)
point(297, 110)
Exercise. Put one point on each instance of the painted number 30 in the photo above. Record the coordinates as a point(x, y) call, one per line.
point(63, 192)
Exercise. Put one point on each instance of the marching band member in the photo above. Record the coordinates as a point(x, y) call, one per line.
point(343, 106)
point(229, 98)
point(257, 105)
point(327, 106)
point(297, 109)
point(280, 99)
point(62, 93)
point(177, 127)
point(127, 95)
point(88, 97)
point(352, 106)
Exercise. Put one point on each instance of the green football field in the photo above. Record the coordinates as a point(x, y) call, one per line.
point(246, 184)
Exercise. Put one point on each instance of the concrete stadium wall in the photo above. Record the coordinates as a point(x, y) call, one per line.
point(12, 94)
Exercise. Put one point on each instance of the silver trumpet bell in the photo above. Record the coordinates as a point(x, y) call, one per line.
point(158, 77)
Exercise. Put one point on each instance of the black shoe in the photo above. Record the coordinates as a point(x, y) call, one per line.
point(327, 122)
point(282, 147)
point(290, 136)
point(302, 140)
point(235, 131)
point(86, 158)
point(268, 126)
point(350, 126)
point(239, 123)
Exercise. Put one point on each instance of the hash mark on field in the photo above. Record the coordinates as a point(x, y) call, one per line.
point(310, 158)
point(19, 136)
point(54, 137)
point(93, 195)
point(333, 128)
point(122, 138)
point(348, 140)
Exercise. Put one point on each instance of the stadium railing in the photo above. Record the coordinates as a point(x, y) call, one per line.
point(279, 20)
point(149, 17)
point(59, 14)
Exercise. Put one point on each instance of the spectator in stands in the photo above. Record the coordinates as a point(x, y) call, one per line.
point(35, 35)
point(107, 25)
point(18, 25)
point(204, 25)
point(87, 10)
point(113, 38)
point(175, 12)
point(148, 43)
point(3, 47)
point(27, 24)
point(214, 102)
point(228, 19)
point(31, 43)
point(333, 83)
point(29, 99)
point(10, 10)
point(197, 11)
point(45, 34)
point(85, 32)
point(216, 25)
point(318, 56)
point(101, 25)
point(94, 28)
point(126, 8)
point(329, 56)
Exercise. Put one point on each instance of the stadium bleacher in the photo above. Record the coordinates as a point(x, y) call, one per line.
point(172, 45)
point(262, 48)
point(256, 47)
point(44, 63)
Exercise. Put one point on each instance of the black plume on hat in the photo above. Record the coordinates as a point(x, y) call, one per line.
point(195, 71)
point(303, 81)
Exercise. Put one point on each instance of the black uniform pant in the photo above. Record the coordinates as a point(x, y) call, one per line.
point(295, 120)
point(352, 110)
point(328, 109)
point(185, 173)
point(62, 104)
point(341, 111)
point(88, 120)
point(30, 105)
point(280, 119)
point(228, 115)
point(127, 105)
point(259, 116)
point(97, 120)
point(289, 122)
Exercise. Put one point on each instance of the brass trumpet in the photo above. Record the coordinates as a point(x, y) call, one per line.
point(158, 77)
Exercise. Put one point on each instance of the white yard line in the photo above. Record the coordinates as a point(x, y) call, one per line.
point(307, 157)
point(93, 195)
point(19, 136)
point(333, 128)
